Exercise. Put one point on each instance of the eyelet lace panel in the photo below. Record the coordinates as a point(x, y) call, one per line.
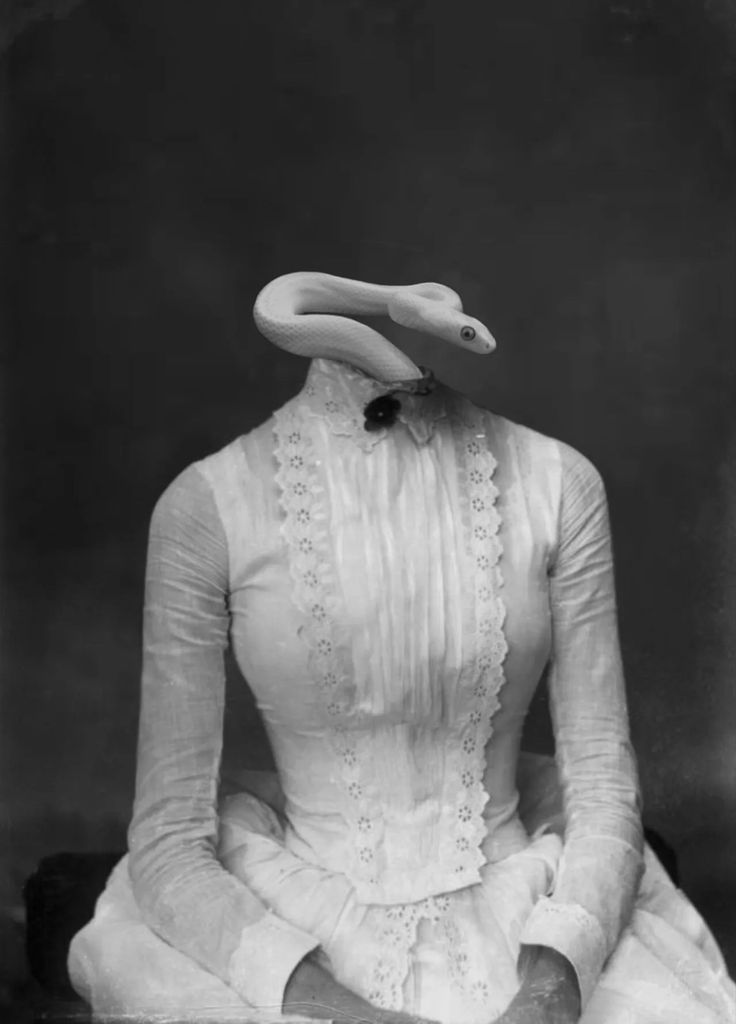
point(484, 677)
point(395, 932)
point(339, 399)
point(337, 393)
point(304, 530)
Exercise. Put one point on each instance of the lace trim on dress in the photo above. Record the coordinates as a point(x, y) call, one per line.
point(464, 976)
point(394, 928)
point(338, 394)
point(481, 684)
point(395, 933)
point(479, 696)
point(304, 530)
point(328, 401)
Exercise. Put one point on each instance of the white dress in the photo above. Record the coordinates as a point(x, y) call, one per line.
point(393, 598)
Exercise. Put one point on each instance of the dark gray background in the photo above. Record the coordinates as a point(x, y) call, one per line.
point(567, 166)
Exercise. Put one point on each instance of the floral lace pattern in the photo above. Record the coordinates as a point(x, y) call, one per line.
point(342, 394)
point(304, 530)
point(303, 503)
point(395, 933)
point(484, 677)
point(466, 980)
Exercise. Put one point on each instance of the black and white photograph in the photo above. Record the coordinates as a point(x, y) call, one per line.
point(368, 528)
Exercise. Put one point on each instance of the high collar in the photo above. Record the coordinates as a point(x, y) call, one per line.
point(338, 393)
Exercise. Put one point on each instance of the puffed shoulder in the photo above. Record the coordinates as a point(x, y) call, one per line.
point(579, 476)
point(186, 537)
point(188, 497)
point(562, 485)
point(583, 520)
point(544, 458)
point(582, 491)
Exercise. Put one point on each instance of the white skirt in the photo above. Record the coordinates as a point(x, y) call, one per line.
point(450, 958)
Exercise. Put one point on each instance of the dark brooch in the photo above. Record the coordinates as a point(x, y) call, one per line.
point(382, 411)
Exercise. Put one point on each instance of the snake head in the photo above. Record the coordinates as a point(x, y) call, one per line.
point(440, 314)
point(474, 335)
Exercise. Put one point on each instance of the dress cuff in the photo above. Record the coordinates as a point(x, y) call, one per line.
point(572, 931)
point(265, 959)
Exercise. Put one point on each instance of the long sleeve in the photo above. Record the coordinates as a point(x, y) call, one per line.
point(183, 892)
point(600, 867)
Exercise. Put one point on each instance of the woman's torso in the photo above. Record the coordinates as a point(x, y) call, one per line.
point(390, 610)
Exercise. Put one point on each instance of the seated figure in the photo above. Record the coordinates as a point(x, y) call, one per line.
point(395, 569)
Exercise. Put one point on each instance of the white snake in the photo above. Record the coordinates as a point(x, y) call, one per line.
point(308, 314)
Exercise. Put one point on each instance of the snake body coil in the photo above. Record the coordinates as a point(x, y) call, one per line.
point(309, 314)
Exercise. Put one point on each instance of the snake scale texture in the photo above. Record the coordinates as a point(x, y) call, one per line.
point(309, 314)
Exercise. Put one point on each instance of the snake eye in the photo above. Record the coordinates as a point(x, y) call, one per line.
point(467, 333)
